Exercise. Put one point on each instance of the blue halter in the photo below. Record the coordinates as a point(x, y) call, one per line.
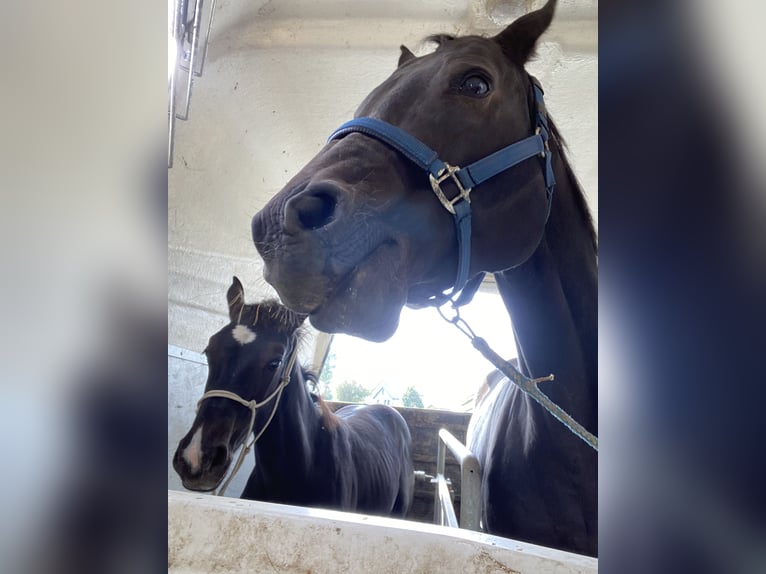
point(463, 178)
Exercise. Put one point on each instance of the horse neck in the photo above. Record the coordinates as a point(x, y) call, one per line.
point(552, 301)
point(293, 428)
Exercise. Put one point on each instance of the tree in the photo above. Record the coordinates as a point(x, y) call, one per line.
point(412, 398)
point(325, 378)
point(351, 392)
point(328, 368)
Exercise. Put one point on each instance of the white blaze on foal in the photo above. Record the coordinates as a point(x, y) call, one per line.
point(193, 450)
point(243, 335)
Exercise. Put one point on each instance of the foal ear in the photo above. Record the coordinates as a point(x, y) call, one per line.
point(405, 56)
point(518, 40)
point(236, 298)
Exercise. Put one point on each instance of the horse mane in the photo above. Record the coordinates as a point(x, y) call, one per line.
point(440, 39)
point(490, 381)
point(581, 204)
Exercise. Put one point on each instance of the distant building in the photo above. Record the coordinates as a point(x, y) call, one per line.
point(382, 395)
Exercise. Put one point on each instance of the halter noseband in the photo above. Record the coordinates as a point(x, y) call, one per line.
point(463, 178)
point(253, 405)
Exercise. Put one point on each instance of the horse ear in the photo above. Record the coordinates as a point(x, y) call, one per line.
point(235, 296)
point(518, 40)
point(405, 56)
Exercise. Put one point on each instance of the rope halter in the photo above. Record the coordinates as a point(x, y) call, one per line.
point(253, 405)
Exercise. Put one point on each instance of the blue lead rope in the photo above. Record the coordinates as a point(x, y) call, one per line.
point(464, 178)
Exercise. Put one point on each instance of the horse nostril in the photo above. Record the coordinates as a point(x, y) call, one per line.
point(313, 209)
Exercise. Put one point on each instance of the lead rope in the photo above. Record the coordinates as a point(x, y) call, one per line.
point(529, 386)
point(253, 406)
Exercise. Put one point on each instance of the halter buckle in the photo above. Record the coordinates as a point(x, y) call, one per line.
point(448, 172)
point(546, 147)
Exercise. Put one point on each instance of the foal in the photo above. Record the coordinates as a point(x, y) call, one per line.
point(357, 459)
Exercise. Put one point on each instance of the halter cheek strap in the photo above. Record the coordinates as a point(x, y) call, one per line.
point(253, 405)
point(464, 179)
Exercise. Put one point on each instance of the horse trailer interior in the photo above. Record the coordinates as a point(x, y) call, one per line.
point(274, 79)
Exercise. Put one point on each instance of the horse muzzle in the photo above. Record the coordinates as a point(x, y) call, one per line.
point(204, 472)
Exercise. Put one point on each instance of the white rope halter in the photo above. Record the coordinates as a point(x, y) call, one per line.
point(253, 406)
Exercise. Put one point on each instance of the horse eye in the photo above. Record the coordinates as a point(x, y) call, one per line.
point(273, 365)
point(475, 86)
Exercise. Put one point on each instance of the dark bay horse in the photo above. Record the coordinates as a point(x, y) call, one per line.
point(358, 233)
point(357, 459)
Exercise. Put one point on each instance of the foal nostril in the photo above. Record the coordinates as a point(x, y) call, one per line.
point(313, 209)
point(220, 455)
point(180, 465)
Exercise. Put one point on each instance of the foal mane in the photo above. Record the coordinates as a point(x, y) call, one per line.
point(271, 316)
point(329, 420)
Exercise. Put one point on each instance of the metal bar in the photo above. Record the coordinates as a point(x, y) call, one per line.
point(448, 517)
point(470, 495)
point(441, 455)
point(192, 57)
point(203, 57)
point(438, 510)
point(470, 480)
point(440, 459)
point(207, 39)
point(171, 117)
point(177, 17)
point(457, 448)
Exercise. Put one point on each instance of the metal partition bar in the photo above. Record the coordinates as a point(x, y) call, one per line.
point(192, 58)
point(470, 485)
point(179, 10)
point(185, 33)
point(444, 506)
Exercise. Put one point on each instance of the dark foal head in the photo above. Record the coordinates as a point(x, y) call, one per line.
point(247, 357)
point(358, 232)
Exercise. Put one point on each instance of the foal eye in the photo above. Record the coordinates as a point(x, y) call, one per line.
point(273, 365)
point(475, 86)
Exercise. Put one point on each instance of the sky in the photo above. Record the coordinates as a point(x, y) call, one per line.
point(429, 354)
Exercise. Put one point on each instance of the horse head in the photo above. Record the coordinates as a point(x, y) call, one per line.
point(247, 360)
point(358, 232)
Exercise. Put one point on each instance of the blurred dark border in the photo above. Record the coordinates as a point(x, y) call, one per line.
point(83, 243)
point(682, 471)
